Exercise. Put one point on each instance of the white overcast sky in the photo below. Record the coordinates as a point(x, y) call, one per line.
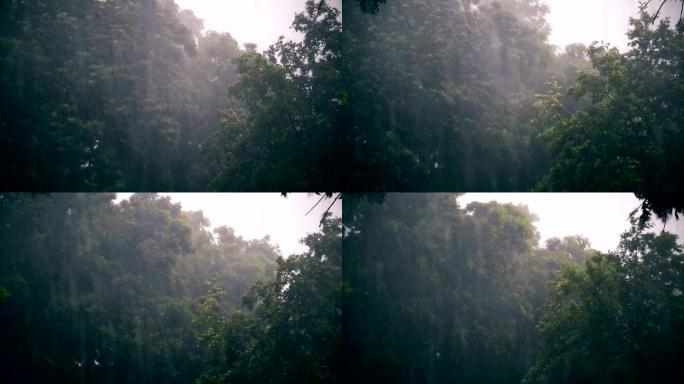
point(600, 217)
point(571, 21)
point(250, 21)
point(586, 21)
point(255, 215)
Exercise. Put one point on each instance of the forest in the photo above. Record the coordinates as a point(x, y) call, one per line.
point(434, 292)
point(142, 291)
point(411, 95)
point(430, 98)
point(134, 95)
point(405, 288)
point(471, 96)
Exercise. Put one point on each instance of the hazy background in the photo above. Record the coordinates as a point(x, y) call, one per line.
point(600, 217)
point(250, 21)
point(585, 21)
point(255, 215)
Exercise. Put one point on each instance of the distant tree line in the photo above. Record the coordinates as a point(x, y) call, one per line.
point(470, 95)
point(135, 95)
point(434, 292)
point(414, 95)
point(143, 292)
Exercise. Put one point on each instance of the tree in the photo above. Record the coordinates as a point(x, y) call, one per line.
point(618, 320)
point(438, 293)
point(291, 328)
point(629, 137)
point(109, 95)
point(92, 291)
point(440, 94)
point(268, 144)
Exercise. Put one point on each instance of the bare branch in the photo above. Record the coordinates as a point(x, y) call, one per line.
point(315, 205)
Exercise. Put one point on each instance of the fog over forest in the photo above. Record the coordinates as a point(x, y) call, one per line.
point(406, 288)
point(471, 96)
point(333, 191)
point(411, 95)
point(437, 292)
point(143, 291)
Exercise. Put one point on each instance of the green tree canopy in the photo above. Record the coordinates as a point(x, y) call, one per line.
point(291, 329)
point(282, 130)
point(435, 292)
point(441, 94)
point(629, 137)
point(93, 291)
point(619, 319)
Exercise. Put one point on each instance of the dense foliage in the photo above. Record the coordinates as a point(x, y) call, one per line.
point(284, 131)
point(427, 291)
point(434, 293)
point(293, 331)
point(131, 95)
point(469, 95)
point(630, 136)
point(618, 320)
point(441, 94)
point(96, 95)
point(415, 95)
point(438, 293)
point(97, 292)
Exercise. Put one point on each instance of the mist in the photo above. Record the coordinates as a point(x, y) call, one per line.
point(158, 95)
point(95, 289)
point(516, 96)
point(443, 291)
point(508, 176)
point(259, 21)
point(400, 95)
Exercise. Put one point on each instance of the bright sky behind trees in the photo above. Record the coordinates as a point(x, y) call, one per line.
point(262, 21)
point(249, 21)
point(255, 215)
point(586, 21)
point(600, 217)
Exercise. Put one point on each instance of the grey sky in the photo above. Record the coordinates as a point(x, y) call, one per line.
point(600, 217)
point(255, 215)
point(585, 21)
point(250, 21)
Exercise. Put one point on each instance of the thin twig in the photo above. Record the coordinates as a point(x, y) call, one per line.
point(644, 6)
point(315, 205)
point(658, 11)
